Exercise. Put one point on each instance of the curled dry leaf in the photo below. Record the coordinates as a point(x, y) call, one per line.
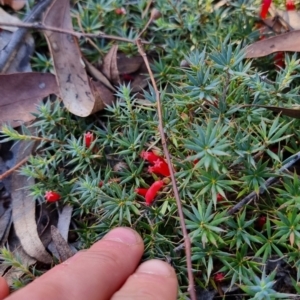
point(14, 4)
point(128, 65)
point(96, 74)
point(72, 79)
point(290, 112)
point(289, 41)
point(110, 66)
point(23, 211)
point(20, 94)
point(61, 245)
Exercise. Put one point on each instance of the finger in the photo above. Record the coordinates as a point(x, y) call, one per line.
point(94, 274)
point(4, 290)
point(153, 280)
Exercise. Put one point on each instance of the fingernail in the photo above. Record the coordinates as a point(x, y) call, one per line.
point(123, 235)
point(156, 267)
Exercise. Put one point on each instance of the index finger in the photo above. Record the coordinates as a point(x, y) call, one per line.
point(94, 274)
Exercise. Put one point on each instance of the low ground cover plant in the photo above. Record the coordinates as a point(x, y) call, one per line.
point(112, 169)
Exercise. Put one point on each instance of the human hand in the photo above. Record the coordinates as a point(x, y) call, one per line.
point(108, 270)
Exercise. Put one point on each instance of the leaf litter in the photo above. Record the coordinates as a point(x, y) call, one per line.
point(84, 89)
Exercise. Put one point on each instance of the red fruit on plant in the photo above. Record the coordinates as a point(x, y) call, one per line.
point(152, 191)
point(265, 8)
point(160, 167)
point(151, 156)
point(88, 139)
point(220, 197)
point(218, 277)
point(279, 59)
point(141, 191)
point(261, 221)
point(127, 77)
point(52, 196)
point(120, 11)
point(290, 5)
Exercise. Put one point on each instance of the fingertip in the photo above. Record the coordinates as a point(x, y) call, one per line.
point(4, 289)
point(156, 267)
point(124, 235)
point(153, 279)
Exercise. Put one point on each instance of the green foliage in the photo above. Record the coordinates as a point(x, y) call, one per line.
point(220, 149)
point(261, 288)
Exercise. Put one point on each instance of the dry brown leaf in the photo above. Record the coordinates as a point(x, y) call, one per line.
point(289, 17)
point(110, 66)
point(128, 65)
point(96, 74)
point(7, 18)
point(71, 75)
point(273, 23)
point(101, 91)
point(14, 4)
point(23, 211)
point(289, 41)
point(140, 80)
point(64, 219)
point(20, 94)
point(61, 245)
point(290, 112)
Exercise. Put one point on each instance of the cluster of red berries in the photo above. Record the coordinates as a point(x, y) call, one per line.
point(158, 166)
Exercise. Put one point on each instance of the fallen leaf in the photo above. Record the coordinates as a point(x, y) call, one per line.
point(110, 66)
point(290, 17)
point(7, 18)
point(128, 65)
point(140, 81)
point(71, 75)
point(290, 112)
point(289, 41)
point(64, 220)
point(61, 244)
point(101, 91)
point(15, 52)
point(14, 4)
point(20, 94)
point(23, 210)
point(96, 74)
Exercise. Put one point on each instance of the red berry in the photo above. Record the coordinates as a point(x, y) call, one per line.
point(88, 139)
point(51, 196)
point(120, 11)
point(265, 8)
point(261, 221)
point(218, 277)
point(279, 59)
point(152, 191)
point(141, 191)
point(290, 5)
point(151, 156)
point(127, 77)
point(219, 197)
point(160, 167)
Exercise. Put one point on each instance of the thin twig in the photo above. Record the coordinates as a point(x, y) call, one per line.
point(269, 182)
point(186, 238)
point(11, 49)
point(40, 26)
point(15, 167)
